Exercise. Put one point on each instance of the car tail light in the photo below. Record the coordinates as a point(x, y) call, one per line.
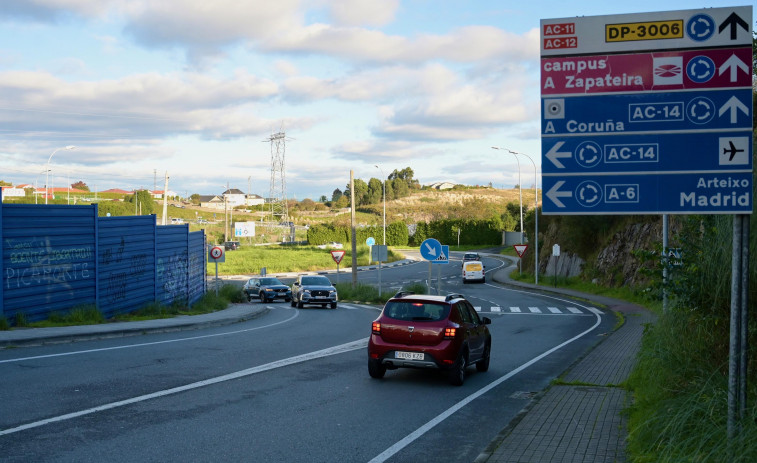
point(376, 328)
point(449, 333)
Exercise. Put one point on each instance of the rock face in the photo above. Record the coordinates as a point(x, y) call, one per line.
point(614, 264)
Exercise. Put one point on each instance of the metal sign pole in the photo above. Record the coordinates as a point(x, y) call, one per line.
point(665, 262)
point(216, 285)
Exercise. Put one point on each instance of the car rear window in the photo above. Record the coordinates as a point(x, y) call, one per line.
point(269, 281)
point(473, 267)
point(416, 311)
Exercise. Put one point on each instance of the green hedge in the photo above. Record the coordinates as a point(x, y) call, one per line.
point(396, 234)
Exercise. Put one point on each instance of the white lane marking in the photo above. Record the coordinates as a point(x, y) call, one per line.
point(340, 349)
point(595, 310)
point(515, 309)
point(410, 438)
point(296, 314)
point(496, 309)
point(573, 310)
point(534, 310)
point(478, 308)
point(554, 309)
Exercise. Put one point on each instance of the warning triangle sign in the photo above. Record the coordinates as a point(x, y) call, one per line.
point(520, 249)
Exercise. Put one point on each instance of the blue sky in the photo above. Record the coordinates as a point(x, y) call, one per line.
point(195, 87)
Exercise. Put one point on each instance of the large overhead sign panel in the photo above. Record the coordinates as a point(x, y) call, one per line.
point(648, 113)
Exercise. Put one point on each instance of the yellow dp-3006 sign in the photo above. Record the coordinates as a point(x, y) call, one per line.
point(652, 30)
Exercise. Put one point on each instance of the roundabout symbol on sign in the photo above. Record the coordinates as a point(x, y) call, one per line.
point(588, 193)
point(588, 154)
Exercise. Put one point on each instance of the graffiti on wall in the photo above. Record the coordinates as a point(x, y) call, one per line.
point(173, 275)
point(117, 282)
point(33, 261)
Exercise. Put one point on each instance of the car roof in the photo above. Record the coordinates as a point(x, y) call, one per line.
point(426, 297)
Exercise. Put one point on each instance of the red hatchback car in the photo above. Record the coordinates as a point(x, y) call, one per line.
point(427, 331)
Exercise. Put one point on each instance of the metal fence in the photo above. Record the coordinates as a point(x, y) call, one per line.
point(58, 257)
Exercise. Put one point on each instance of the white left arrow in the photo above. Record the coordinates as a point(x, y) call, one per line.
point(733, 104)
point(733, 64)
point(555, 194)
point(554, 154)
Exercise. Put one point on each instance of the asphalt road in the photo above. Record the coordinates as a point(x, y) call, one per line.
point(291, 386)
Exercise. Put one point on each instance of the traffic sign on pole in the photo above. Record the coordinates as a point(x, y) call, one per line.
point(648, 113)
point(431, 249)
point(520, 249)
point(337, 255)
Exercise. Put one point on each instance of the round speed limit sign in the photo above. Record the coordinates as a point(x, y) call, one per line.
point(216, 252)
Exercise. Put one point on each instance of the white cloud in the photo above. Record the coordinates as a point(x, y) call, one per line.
point(363, 12)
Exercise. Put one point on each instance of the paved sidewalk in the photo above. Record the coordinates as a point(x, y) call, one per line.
point(567, 423)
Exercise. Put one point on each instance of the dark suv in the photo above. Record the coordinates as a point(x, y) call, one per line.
point(427, 331)
point(267, 289)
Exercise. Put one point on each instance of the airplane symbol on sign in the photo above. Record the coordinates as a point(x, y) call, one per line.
point(733, 150)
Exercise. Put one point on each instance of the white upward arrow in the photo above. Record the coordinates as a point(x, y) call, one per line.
point(554, 193)
point(733, 104)
point(733, 63)
point(554, 154)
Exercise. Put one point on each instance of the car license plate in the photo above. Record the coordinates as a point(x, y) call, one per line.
point(409, 355)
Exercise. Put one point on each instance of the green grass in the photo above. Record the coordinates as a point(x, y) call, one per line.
point(249, 260)
point(369, 294)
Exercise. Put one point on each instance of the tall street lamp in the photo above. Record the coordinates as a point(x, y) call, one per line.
point(384, 182)
point(69, 147)
point(536, 213)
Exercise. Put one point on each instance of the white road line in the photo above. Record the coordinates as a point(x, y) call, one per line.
point(340, 349)
point(595, 310)
point(478, 308)
point(413, 436)
point(554, 310)
point(295, 315)
point(534, 309)
point(573, 310)
point(515, 309)
point(496, 309)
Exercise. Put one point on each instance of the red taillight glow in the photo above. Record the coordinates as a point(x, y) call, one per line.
point(449, 333)
point(376, 328)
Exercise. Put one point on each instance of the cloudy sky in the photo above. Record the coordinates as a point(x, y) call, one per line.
point(196, 88)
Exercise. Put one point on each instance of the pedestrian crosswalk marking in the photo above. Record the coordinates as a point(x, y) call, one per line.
point(534, 310)
point(496, 309)
point(478, 308)
point(554, 309)
point(515, 309)
point(573, 310)
point(595, 310)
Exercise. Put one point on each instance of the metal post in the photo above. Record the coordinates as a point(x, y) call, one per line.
point(665, 262)
point(744, 311)
point(735, 347)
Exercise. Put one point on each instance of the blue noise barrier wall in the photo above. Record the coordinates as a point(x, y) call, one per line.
point(55, 258)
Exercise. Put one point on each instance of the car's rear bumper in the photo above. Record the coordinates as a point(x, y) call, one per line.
point(440, 356)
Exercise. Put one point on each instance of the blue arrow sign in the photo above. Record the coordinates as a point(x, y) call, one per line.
point(431, 249)
point(669, 152)
point(647, 112)
point(722, 193)
point(370, 241)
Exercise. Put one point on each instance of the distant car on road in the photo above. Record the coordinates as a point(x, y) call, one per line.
point(231, 245)
point(469, 256)
point(429, 332)
point(267, 289)
point(313, 289)
point(473, 270)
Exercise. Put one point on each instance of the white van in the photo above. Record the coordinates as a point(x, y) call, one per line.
point(473, 271)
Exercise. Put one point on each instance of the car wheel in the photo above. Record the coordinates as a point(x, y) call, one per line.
point(299, 304)
point(333, 305)
point(483, 364)
point(249, 298)
point(376, 369)
point(262, 298)
point(292, 303)
point(456, 375)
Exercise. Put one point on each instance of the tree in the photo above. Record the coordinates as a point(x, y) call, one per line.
point(399, 187)
point(361, 192)
point(195, 198)
point(4, 183)
point(336, 195)
point(145, 203)
point(342, 202)
point(80, 185)
point(375, 191)
point(323, 199)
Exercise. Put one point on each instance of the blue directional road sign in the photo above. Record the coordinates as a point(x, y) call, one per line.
point(370, 241)
point(698, 193)
point(431, 249)
point(667, 152)
point(647, 112)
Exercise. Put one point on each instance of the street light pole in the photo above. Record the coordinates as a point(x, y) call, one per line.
point(520, 190)
point(69, 147)
point(536, 211)
point(384, 182)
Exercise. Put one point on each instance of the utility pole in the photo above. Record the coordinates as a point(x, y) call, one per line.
point(165, 201)
point(352, 227)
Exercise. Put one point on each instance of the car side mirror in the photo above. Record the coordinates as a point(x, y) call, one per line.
point(487, 320)
point(296, 284)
